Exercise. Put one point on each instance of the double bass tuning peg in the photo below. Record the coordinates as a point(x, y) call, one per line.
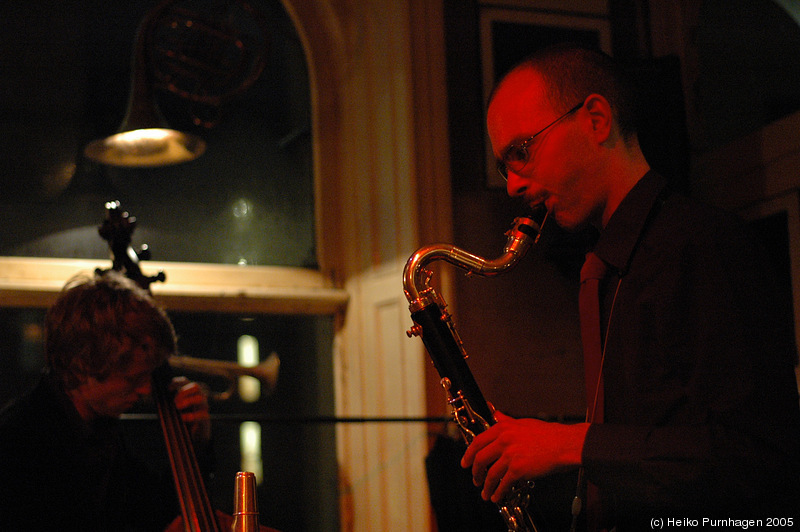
point(117, 229)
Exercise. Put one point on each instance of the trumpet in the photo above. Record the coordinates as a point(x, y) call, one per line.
point(266, 372)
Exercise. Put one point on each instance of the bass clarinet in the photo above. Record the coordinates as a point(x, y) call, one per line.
point(434, 324)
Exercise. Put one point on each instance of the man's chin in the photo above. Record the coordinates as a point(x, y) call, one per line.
point(568, 222)
point(564, 221)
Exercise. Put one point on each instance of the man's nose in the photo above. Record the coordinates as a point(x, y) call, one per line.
point(516, 186)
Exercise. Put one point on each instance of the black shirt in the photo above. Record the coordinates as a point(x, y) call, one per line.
point(59, 473)
point(701, 403)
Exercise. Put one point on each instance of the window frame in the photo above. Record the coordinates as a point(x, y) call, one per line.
point(36, 282)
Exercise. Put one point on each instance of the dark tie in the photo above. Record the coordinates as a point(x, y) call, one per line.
point(592, 272)
point(594, 269)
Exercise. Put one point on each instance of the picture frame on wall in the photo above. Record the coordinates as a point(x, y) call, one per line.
point(508, 35)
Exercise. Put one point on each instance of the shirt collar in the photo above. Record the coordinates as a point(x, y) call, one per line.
point(618, 239)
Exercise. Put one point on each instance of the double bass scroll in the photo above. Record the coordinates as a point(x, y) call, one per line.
point(117, 229)
point(196, 511)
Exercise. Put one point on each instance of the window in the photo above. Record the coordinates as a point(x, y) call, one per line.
point(234, 232)
point(247, 200)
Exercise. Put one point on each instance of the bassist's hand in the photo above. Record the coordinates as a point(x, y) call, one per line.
point(191, 400)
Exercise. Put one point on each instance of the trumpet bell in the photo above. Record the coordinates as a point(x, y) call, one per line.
point(230, 373)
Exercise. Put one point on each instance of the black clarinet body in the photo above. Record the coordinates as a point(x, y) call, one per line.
point(434, 324)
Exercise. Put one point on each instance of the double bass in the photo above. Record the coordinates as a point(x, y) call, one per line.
point(197, 513)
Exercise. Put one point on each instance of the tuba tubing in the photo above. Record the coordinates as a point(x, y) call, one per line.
point(434, 324)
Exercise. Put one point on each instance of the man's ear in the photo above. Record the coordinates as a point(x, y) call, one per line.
point(601, 116)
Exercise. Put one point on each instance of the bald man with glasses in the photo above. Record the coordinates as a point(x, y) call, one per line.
point(692, 411)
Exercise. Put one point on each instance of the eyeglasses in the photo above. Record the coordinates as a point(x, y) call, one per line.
point(516, 156)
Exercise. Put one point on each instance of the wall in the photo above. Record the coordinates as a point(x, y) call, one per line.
point(742, 109)
point(379, 130)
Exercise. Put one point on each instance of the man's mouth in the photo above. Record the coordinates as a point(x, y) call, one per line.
point(536, 211)
point(548, 204)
